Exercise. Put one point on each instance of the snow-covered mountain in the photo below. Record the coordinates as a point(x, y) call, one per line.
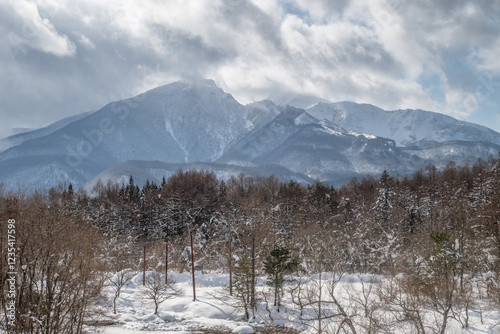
point(302, 101)
point(19, 138)
point(318, 149)
point(178, 123)
point(405, 127)
point(197, 125)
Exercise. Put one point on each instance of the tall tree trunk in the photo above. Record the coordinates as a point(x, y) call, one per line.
point(445, 320)
point(253, 302)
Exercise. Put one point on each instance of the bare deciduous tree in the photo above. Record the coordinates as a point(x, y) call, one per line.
point(157, 291)
point(59, 268)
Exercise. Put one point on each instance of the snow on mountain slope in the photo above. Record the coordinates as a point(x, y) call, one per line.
point(178, 122)
point(200, 118)
point(458, 151)
point(188, 123)
point(302, 101)
point(405, 127)
point(319, 149)
point(264, 139)
point(258, 114)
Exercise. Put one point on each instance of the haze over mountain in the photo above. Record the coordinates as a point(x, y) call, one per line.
point(198, 125)
point(21, 137)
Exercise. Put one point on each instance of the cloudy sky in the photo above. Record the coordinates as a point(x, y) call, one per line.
point(63, 57)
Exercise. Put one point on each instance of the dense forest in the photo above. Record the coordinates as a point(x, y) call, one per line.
point(434, 236)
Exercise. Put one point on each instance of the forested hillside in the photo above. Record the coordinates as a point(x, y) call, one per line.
point(434, 236)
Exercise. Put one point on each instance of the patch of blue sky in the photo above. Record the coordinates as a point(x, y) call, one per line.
point(291, 8)
point(488, 115)
point(485, 87)
point(458, 69)
point(431, 84)
point(462, 74)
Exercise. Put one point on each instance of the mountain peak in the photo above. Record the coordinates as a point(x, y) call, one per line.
point(297, 100)
point(186, 84)
point(405, 127)
point(185, 122)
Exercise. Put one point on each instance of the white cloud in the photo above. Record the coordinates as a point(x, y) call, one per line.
point(377, 51)
point(488, 58)
point(460, 103)
point(39, 33)
point(86, 42)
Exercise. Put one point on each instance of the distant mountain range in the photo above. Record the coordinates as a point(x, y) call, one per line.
point(198, 125)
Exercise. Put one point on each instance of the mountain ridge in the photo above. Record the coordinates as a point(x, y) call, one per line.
point(187, 123)
point(425, 125)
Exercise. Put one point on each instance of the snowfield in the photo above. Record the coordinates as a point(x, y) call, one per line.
point(215, 310)
point(176, 315)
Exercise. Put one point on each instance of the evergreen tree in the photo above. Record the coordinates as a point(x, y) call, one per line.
point(384, 205)
point(321, 195)
point(439, 282)
point(279, 263)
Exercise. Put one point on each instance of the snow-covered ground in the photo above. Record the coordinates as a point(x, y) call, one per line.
point(181, 314)
point(176, 315)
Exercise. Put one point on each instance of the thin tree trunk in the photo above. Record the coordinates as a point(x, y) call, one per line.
point(445, 320)
point(230, 262)
point(114, 303)
point(144, 268)
point(192, 267)
point(166, 257)
point(320, 325)
point(253, 302)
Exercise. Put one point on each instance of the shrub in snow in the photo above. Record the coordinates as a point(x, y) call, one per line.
point(118, 281)
point(157, 290)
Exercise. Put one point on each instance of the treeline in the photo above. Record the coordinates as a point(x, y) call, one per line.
point(443, 224)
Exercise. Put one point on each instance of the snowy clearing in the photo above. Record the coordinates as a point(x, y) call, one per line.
point(212, 312)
